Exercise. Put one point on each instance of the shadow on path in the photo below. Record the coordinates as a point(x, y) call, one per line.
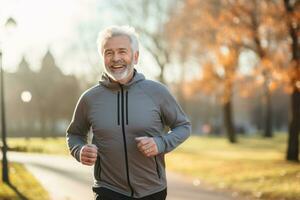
point(20, 195)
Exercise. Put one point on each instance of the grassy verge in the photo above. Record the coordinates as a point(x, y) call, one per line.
point(23, 185)
point(39, 145)
point(254, 166)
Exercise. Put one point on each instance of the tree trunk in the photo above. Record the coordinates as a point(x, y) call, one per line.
point(180, 91)
point(292, 153)
point(268, 113)
point(161, 77)
point(228, 122)
point(294, 127)
point(262, 54)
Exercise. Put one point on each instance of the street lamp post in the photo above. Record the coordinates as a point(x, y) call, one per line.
point(5, 177)
point(10, 23)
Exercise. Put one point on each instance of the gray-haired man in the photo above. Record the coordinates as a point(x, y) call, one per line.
point(127, 115)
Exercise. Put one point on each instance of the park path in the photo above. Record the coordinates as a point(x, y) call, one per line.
point(66, 179)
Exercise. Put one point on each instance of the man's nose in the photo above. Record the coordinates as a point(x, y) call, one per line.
point(116, 57)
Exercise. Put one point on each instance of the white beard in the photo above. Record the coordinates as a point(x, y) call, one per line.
point(118, 76)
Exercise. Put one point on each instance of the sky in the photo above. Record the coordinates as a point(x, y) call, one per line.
point(63, 27)
point(41, 25)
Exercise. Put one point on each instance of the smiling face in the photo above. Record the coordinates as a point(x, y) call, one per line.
point(119, 59)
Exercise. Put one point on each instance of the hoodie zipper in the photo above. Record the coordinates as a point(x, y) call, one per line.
point(118, 105)
point(124, 137)
point(126, 108)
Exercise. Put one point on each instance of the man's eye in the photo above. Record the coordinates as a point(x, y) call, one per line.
point(108, 53)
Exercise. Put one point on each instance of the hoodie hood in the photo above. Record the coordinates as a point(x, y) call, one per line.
point(106, 81)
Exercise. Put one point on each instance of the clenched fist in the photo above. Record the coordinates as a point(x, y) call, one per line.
point(147, 146)
point(88, 154)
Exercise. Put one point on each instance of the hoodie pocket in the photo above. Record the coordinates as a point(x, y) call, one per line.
point(97, 169)
point(157, 168)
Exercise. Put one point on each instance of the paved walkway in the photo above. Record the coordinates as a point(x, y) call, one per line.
point(66, 179)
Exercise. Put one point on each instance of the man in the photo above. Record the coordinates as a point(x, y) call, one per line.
point(127, 115)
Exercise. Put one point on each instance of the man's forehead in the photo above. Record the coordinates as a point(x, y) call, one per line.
point(117, 40)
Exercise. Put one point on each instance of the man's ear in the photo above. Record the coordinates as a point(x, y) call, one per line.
point(136, 57)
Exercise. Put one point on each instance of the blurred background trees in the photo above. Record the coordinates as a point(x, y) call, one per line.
point(222, 35)
point(49, 104)
point(227, 33)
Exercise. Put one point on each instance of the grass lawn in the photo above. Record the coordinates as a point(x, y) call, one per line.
point(254, 166)
point(25, 184)
point(39, 145)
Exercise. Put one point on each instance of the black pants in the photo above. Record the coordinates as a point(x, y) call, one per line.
point(106, 194)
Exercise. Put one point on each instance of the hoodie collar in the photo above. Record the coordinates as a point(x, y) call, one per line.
point(106, 82)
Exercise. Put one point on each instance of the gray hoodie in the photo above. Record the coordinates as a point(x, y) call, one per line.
point(117, 114)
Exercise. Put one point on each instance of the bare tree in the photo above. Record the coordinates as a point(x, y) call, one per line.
point(149, 18)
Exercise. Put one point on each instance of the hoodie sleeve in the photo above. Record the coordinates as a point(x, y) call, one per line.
point(173, 117)
point(78, 128)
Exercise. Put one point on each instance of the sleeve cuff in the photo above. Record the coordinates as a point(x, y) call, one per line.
point(77, 153)
point(160, 144)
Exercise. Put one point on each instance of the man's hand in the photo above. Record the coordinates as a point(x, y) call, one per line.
point(147, 146)
point(88, 154)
